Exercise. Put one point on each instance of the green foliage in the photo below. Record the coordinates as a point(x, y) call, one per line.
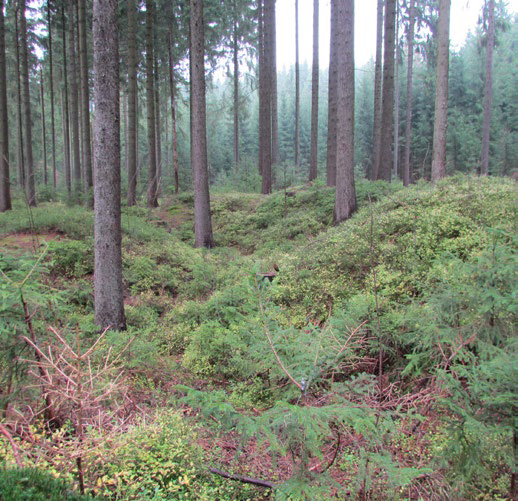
point(35, 485)
point(71, 258)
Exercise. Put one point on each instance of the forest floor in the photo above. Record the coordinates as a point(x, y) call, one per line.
point(352, 374)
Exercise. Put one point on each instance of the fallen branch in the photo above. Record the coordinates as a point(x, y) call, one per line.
point(16, 452)
point(245, 480)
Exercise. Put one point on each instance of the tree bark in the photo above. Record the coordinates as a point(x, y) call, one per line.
point(152, 191)
point(410, 66)
point(5, 183)
point(74, 103)
point(387, 101)
point(19, 104)
point(43, 128)
point(132, 103)
point(173, 113)
point(297, 89)
point(30, 191)
point(66, 114)
point(332, 99)
point(235, 58)
point(85, 100)
point(108, 290)
point(202, 218)
point(376, 133)
point(396, 97)
point(441, 93)
point(314, 97)
point(51, 88)
point(484, 170)
point(158, 127)
point(345, 203)
point(273, 69)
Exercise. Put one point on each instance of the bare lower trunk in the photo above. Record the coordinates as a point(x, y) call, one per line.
point(396, 98)
point(19, 114)
point(85, 101)
point(332, 100)
point(173, 113)
point(376, 133)
point(66, 114)
point(314, 97)
point(275, 111)
point(441, 93)
point(152, 192)
point(345, 203)
point(387, 102)
point(408, 125)
point(51, 88)
point(5, 184)
point(297, 88)
point(108, 290)
point(484, 169)
point(132, 103)
point(202, 218)
point(158, 127)
point(235, 54)
point(30, 191)
point(43, 129)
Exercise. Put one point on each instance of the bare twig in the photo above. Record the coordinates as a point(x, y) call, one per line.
point(245, 480)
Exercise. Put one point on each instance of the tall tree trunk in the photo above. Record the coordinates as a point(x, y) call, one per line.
point(396, 98)
point(297, 88)
point(132, 103)
point(152, 191)
point(332, 99)
point(345, 202)
point(66, 115)
point(158, 128)
point(265, 130)
point(275, 111)
point(441, 93)
point(43, 129)
point(85, 100)
point(51, 88)
point(202, 219)
point(262, 74)
point(376, 132)
point(108, 289)
point(74, 101)
point(19, 113)
point(5, 183)
point(387, 101)
point(173, 112)
point(410, 66)
point(235, 57)
point(484, 170)
point(314, 97)
point(30, 191)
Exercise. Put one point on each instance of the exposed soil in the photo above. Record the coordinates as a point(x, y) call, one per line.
point(21, 243)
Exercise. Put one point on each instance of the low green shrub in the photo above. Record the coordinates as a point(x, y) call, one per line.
point(71, 258)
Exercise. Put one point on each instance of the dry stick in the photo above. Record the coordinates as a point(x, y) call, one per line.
point(16, 452)
point(245, 480)
point(279, 361)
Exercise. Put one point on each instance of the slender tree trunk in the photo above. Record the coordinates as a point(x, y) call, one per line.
point(43, 129)
point(314, 97)
point(66, 115)
point(132, 103)
point(484, 170)
point(332, 99)
point(152, 192)
point(158, 128)
point(441, 93)
point(297, 88)
point(345, 202)
point(30, 191)
point(5, 183)
point(396, 98)
point(202, 218)
point(235, 56)
point(387, 102)
point(262, 87)
point(376, 133)
point(19, 104)
point(408, 125)
point(85, 100)
point(275, 111)
point(74, 102)
point(108, 289)
point(173, 113)
point(51, 88)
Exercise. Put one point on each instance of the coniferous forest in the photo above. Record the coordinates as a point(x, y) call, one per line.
point(227, 278)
